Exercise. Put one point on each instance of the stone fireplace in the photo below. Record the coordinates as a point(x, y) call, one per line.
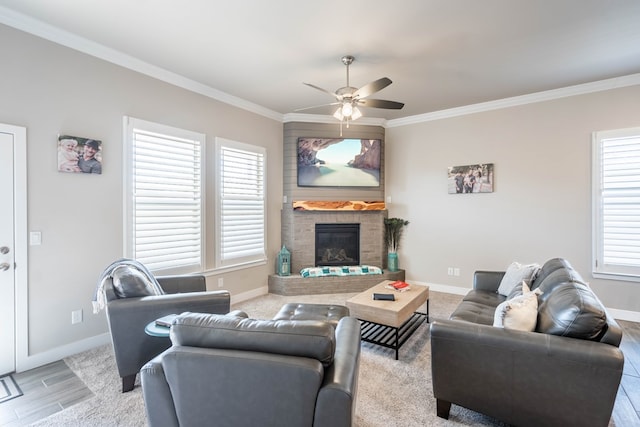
point(299, 235)
point(337, 244)
point(298, 232)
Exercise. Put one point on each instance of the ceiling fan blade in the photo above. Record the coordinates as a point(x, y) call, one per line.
point(323, 90)
point(372, 88)
point(316, 106)
point(380, 103)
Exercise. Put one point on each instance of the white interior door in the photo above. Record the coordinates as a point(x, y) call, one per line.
point(7, 255)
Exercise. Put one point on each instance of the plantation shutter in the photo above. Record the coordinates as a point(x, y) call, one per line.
point(619, 205)
point(242, 201)
point(167, 201)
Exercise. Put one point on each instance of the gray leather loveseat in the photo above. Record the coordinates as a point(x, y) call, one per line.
point(235, 371)
point(565, 373)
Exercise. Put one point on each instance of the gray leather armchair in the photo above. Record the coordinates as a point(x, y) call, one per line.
point(235, 371)
point(127, 318)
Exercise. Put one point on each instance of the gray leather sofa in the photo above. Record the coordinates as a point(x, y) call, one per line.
point(565, 373)
point(127, 318)
point(234, 371)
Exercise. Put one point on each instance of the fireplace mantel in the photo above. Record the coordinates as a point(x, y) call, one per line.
point(338, 205)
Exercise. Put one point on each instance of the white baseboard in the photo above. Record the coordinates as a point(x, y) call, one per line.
point(238, 298)
point(631, 316)
point(447, 289)
point(59, 353)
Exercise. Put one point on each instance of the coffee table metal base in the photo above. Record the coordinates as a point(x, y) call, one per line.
point(389, 336)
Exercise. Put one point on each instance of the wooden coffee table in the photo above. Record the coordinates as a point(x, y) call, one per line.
point(389, 323)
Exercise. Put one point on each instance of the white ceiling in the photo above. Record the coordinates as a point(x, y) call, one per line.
point(440, 54)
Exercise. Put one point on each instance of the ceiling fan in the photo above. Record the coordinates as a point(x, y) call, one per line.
point(349, 98)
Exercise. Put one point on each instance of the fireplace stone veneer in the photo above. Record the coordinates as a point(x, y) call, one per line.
point(298, 235)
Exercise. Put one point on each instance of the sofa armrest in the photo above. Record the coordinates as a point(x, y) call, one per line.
point(157, 395)
point(336, 402)
point(487, 280)
point(524, 377)
point(183, 283)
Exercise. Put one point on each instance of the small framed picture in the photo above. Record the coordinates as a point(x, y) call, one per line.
point(470, 179)
point(79, 155)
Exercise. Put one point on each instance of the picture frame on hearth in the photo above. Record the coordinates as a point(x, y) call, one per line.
point(469, 179)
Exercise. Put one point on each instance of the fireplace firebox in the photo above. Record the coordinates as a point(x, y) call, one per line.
point(337, 244)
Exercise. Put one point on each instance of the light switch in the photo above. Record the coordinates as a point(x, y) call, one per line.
point(35, 238)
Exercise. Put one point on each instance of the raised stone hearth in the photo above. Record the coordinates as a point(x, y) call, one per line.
point(298, 285)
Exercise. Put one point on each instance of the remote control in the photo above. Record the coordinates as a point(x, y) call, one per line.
point(387, 297)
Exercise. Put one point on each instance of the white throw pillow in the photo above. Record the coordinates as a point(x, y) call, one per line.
point(519, 313)
point(516, 273)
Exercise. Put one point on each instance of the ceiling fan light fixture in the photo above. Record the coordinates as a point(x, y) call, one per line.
point(348, 98)
point(347, 109)
point(356, 114)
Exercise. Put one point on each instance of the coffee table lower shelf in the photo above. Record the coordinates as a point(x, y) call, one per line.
point(389, 336)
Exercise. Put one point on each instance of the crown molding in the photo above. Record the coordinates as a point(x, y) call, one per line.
point(598, 86)
point(73, 41)
point(70, 40)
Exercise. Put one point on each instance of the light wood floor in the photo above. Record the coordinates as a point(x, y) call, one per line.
point(54, 387)
point(46, 390)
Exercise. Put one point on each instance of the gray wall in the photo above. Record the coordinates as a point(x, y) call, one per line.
point(51, 90)
point(541, 207)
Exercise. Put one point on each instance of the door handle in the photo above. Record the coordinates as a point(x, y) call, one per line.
point(5, 266)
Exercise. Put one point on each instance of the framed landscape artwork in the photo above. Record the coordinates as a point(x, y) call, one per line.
point(477, 178)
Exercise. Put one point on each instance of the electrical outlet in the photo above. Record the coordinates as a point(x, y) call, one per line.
point(450, 271)
point(76, 316)
point(221, 282)
point(456, 271)
point(35, 238)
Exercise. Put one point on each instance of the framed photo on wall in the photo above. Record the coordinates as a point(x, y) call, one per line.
point(470, 178)
point(79, 155)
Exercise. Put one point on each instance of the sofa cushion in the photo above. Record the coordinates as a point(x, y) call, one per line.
point(571, 309)
point(303, 338)
point(553, 272)
point(517, 290)
point(514, 275)
point(474, 312)
point(519, 313)
point(129, 282)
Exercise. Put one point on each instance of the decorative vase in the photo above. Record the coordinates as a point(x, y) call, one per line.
point(283, 262)
point(392, 261)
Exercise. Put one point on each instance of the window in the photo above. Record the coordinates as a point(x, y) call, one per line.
point(163, 197)
point(616, 204)
point(241, 203)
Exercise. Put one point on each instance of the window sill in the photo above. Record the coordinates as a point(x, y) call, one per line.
point(235, 267)
point(616, 276)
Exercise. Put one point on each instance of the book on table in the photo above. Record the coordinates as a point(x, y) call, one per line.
point(399, 286)
point(166, 321)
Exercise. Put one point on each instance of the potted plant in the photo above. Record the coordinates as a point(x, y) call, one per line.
point(393, 229)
